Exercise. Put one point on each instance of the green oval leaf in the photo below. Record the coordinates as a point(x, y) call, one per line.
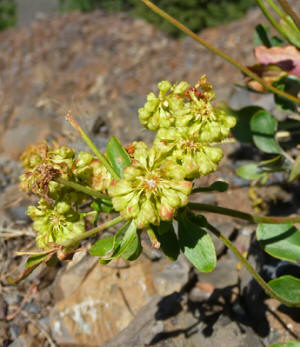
point(288, 287)
point(196, 245)
point(36, 259)
point(241, 131)
point(250, 172)
point(117, 156)
point(280, 240)
point(123, 244)
point(102, 247)
point(263, 126)
point(167, 238)
point(134, 250)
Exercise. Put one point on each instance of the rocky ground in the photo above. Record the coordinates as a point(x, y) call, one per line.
point(99, 67)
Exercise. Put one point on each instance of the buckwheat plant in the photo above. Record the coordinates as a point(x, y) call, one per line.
point(141, 188)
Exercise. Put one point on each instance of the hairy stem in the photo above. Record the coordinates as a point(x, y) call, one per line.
point(248, 266)
point(242, 215)
point(93, 231)
point(92, 146)
point(226, 57)
point(83, 189)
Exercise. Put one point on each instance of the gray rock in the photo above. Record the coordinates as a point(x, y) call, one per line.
point(124, 122)
point(169, 277)
point(180, 329)
point(224, 275)
point(10, 170)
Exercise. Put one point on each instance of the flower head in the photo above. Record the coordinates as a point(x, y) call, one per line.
point(159, 111)
point(211, 124)
point(183, 145)
point(43, 164)
point(152, 188)
point(55, 224)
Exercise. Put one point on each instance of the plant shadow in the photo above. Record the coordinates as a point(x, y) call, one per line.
point(223, 303)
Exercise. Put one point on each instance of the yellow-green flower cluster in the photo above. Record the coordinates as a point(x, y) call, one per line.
point(152, 188)
point(42, 164)
point(188, 125)
point(55, 224)
point(195, 157)
point(160, 111)
point(90, 171)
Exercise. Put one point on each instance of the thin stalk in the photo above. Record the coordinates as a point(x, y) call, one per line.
point(92, 146)
point(271, 19)
point(243, 215)
point(287, 8)
point(226, 57)
point(36, 253)
point(276, 8)
point(91, 232)
point(251, 270)
point(83, 189)
point(153, 238)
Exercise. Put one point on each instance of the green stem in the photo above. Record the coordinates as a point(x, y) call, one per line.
point(247, 265)
point(270, 18)
point(91, 232)
point(276, 8)
point(92, 146)
point(242, 215)
point(230, 60)
point(83, 189)
point(36, 253)
point(153, 238)
point(287, 8)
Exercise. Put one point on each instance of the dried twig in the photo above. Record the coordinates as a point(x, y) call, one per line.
point(26, 298)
